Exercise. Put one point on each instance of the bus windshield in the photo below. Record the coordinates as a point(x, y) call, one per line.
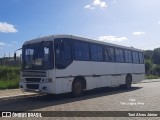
point(38, 56)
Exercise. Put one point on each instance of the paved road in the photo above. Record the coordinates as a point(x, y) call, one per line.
point(144, 96)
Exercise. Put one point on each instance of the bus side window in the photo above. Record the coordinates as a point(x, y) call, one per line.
point(106, 54)
point(119, 55)
point(135, 57)
point(111, 54)
point(141, 59)
point(62, 53)
point(96, 53)
point(128, 56)
point(81, 50)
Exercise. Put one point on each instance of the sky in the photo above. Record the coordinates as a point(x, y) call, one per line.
point(133, 23)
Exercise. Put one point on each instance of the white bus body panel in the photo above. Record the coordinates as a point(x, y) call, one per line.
point(64, 77)
point(108, 74)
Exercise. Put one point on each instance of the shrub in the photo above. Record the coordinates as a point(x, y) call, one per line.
point(9, 77)
point(152, 77)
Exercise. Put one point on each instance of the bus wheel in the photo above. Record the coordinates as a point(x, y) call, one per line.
point(77, 88)
point(128, 82)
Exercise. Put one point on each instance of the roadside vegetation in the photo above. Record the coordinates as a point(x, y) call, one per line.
point(9, 77)
point(152, 63)
point(152, 77)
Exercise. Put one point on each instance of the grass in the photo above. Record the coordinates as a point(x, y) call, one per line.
point(9, 77)
point(152, 77)
point(9, 84)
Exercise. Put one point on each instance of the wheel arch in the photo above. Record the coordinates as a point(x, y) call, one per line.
point(130, 75)
point(83, 80)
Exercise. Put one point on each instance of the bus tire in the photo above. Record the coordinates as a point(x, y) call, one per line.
point(128, 82)
point(77, 87)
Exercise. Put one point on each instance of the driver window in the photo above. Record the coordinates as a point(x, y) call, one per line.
point(63, 53)
point(63, 50)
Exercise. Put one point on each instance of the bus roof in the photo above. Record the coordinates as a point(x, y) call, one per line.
point(52, 37)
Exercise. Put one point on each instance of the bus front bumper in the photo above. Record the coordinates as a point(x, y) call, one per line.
point(47, 88)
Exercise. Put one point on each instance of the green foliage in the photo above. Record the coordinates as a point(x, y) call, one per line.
point(9, 77)
point(148, 66)
point(9, 84)
point(156, 69)
point(148, 54)
point(152, 62)
point(9, 72)
point(156, 56)
point(152, 77)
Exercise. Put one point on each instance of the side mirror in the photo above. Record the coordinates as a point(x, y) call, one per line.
point(15, 56)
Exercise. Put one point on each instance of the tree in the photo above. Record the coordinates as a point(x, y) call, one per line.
point(148, 54)
point(148, 66)
point(156, 69)
point(156, 56)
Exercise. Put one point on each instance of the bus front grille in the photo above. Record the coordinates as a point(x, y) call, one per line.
point(32, 86)
point(33, 79)
point(33, 74)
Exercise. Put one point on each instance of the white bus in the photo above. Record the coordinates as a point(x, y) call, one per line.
point(65, 63)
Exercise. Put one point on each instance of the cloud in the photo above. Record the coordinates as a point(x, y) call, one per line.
point(95, 4)
point(89, 7)
point(99, 3)
point(138, 33)
point(7, 28)
point(112, 38)
point(2, 44)
point(158, 22)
